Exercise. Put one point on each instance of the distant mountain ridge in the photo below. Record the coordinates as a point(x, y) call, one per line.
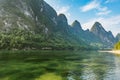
point(106, 37)
point(118, 37)
point(38, 18)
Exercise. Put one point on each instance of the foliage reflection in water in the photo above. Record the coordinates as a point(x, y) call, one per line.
point(58, 65)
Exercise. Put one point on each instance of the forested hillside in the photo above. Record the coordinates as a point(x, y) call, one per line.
point(33, 24)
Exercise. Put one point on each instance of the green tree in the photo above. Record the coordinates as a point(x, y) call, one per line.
point(117, 46)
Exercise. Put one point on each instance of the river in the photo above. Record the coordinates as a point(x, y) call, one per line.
point(59, 65)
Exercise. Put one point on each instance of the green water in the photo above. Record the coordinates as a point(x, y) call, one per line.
point(59, 65)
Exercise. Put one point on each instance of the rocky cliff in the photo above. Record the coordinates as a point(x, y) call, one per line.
point(106, 37)
point(45, 28)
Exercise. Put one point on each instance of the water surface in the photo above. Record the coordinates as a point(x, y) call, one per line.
point(59, 65)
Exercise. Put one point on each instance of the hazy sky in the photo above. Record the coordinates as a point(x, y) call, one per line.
point(107, 12)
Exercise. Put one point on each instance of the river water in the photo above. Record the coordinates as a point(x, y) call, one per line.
point(59, 65)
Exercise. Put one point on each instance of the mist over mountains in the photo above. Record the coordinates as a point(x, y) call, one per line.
point(44, 28)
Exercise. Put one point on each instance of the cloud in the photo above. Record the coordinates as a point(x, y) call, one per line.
point(112, 23)
point(109, 1)
point(96, 5)
point(64, 10)
point(104, 12)
point(89, 23)
point(60, 9)
point(90, 6)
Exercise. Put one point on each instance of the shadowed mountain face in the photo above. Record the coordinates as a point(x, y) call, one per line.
point(106, 37)
point(118, 37)
point(77, 26)
point(85, 35)
point(38, 17)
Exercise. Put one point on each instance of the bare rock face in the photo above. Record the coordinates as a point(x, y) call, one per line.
point(38, 17)
point(32, 15)
point(100, 32)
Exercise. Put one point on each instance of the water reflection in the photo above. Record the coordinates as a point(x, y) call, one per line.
point(96, 66)
point(117, 67)
point(114, 72)
point(60, 65)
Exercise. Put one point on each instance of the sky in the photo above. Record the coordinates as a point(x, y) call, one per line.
point(87, 12)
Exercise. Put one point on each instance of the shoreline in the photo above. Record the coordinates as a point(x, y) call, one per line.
point(112, 51)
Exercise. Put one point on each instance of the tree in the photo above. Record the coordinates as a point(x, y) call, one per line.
point(117, 46)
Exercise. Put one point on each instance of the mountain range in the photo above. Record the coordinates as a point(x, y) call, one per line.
point(35, 24)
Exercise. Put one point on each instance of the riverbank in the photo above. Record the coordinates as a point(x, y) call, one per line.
point(112, 51)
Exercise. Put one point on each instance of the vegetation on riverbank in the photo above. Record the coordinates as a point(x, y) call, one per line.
point(117, 46)
point(19, 39)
